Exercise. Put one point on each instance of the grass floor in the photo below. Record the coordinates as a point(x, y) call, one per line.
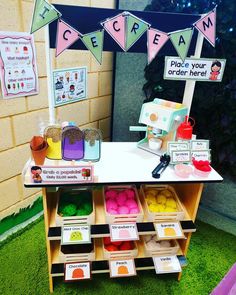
point(24, 268)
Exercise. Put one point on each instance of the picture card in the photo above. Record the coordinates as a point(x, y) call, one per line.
point(169, 230)
point(124, 232)
point(77, 271)
point(122, 268)
point(167, 264)
point(78, 234)
point(202, 155)
point(199, 144)
point(183, 156)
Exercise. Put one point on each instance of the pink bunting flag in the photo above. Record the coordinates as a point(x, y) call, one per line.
point(66, 36)
point(207, 26)
point(116, 28)
point(155, 40)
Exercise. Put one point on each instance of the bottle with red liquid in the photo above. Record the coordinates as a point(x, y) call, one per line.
point(185, 129)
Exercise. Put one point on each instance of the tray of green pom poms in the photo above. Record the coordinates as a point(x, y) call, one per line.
point(75, 206)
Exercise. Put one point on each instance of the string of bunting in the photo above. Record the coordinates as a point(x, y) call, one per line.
point(125, 29)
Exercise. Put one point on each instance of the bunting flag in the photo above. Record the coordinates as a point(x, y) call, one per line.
point(44, 13)
point(181, 41)
point(135, 28)
point(115, 27)
point(66, 36)
point(94, 42)
point(207, 26)
point(155, 40)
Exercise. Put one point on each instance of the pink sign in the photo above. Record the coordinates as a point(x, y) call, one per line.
point(116, 28)
point(156, 39)
point(18, 67)
point(207, 26)
point(66, 36)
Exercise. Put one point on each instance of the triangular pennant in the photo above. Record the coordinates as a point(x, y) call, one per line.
point(66, 36)
point(94, 42)
point(155, 40)
point(135, 28)
point(44, 13)
point(181, 41)
point(207, 26)
point(115, 27)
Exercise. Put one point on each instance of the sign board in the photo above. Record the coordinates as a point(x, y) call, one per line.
point(124, 232)
point(198, 69)
point(62, 174)
point(18, 69)
point(201, 155)
point(122, 268)
point(167, 264)
point(77, 234)
point(69, 85)
point(77, 271)
point(180, 156)
point(199, 144)
point(169, 230)
point(177, 146)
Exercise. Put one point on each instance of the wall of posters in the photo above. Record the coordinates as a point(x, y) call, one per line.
point(69, 85)
point(18, 69)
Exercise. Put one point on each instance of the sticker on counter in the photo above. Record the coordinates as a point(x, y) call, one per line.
point(183, 156)
point(169, 230)
point(177, 146)
point(202, 155)
point(124, 232)
point(122, 268)
point(167, 264)
point(199, 144)
point(77, 271)
point(61, 174)
point(78, 234)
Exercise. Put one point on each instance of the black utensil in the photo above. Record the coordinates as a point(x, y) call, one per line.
point(164, 162)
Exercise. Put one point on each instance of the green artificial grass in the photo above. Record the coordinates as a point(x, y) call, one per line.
point(24, 268)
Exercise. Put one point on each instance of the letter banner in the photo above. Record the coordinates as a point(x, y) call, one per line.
point(136, 27)
point(155, 40)
point(181, 41)
point(207, 26)
point(44, 13)
point(115, 27)
point(94, 43)
point(66, 36)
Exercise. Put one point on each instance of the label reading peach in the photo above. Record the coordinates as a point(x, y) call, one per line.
point(169, 230)
point(122, 268)
point(124, 232)
point(77, 271)
point(167, 264)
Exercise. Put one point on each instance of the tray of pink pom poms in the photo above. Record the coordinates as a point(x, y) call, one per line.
point(122, 204)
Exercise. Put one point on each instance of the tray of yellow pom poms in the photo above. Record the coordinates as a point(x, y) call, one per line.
point(161, 203)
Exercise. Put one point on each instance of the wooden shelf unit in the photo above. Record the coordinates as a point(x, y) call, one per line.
point(189, 192)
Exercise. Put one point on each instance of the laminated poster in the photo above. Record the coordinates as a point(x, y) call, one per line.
point(69, 85)
point(18, 71)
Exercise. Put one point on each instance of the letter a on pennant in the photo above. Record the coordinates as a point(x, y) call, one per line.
point(116, 28)
point(66, 36)
point(135, 28)
point(207, 26)
point(155, 40)
point(44, 13)
point(181, 41)
point(94, 42)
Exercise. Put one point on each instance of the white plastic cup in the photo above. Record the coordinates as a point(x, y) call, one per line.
point(154, 143)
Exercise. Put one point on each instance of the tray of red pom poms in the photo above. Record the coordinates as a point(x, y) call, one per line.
point(122, 204)
point(201, 168)
point(126, 249)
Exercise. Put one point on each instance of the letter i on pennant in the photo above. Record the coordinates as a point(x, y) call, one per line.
point(66, 36)
point(207, 26)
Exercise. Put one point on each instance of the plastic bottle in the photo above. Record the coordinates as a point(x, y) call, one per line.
point(185, 129)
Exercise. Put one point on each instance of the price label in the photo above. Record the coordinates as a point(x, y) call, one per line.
point(78, 234)
point(122, 268)
point(183, 156)
point(166, 264)
point(199, 144)
point(204, 155)
point(124, 232)
point(177, 146)
point(77, 271)
point(169, 230)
